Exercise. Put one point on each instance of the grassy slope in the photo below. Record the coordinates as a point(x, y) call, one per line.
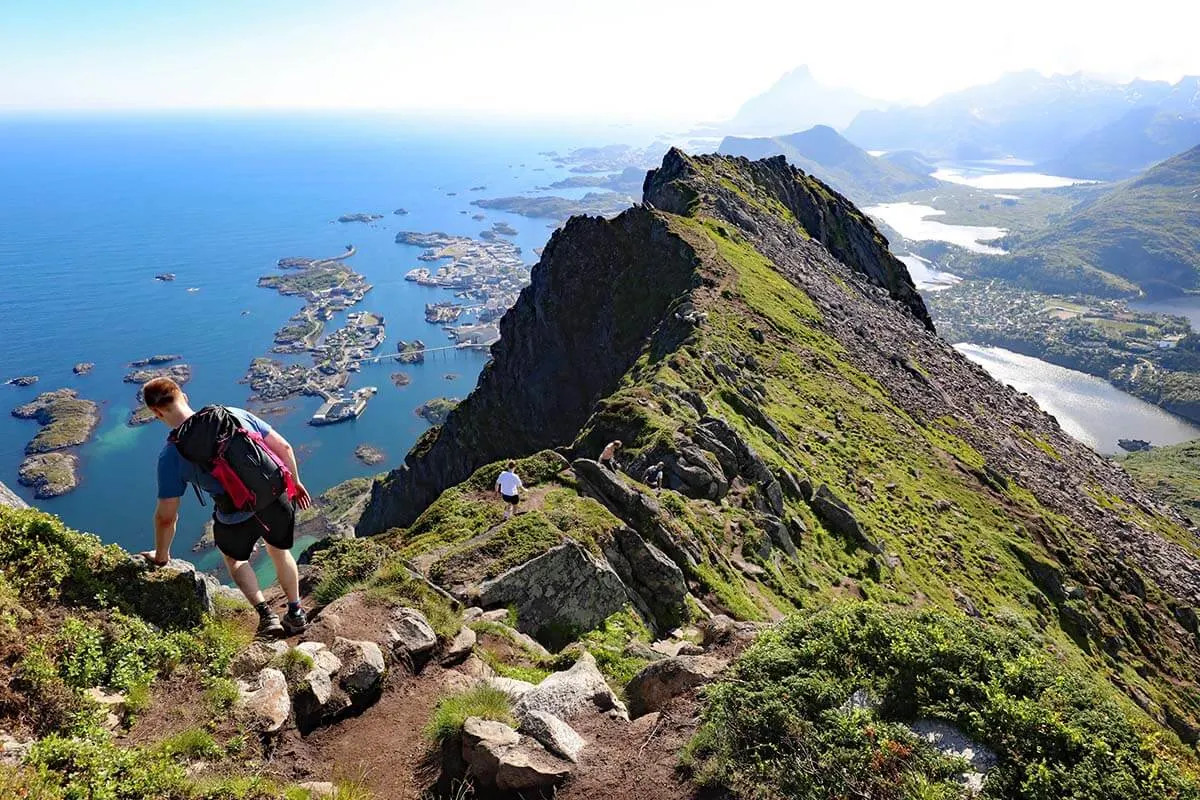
point(1144, 232)
point(1173, 473)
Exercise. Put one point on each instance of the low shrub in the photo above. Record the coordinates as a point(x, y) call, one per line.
point(779, 725)
point(344, 565)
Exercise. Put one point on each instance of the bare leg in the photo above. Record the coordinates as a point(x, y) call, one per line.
point(243, 575)
point(288, 572)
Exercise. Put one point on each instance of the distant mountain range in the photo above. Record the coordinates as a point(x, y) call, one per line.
point(1143, 234)
point(798, 101)
point(1092, 127)
point(823, 152)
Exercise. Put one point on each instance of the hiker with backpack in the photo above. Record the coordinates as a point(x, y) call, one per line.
point(509, 487)
point(250, 472)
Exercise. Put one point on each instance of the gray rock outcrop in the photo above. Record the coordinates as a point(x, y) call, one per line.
point(362, 668)
point(9, 498)
point(499, 757)
point(265, 699)
point(657, 581)
point(578, 690)
point(553, 734)
point(663, 680)
point(410, 635)
point(566, 589)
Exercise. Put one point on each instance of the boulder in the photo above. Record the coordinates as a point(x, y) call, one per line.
point(553, 734)
point(950, 741)
point(317, 698)
point(173, 596)
point(838, 518)
point(656, 579)
point(663, 680)
point(498, 757)
point(483, 745)
point(721, 629)
point(13, 750)
point(566, 695)
point(255, 657)
point(410, 635)
point(265, 698)
point(112, 705)
point(564, 589)
point(513, 687)
point(362, 668)
point(459, 647)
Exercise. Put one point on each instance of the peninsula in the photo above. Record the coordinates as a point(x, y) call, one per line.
point(328, 286)
point(487, 274)
point(605, 204)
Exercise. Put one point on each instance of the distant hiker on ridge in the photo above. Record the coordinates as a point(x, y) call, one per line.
point(654, 477)
point(608, 458)
point(509, 487)
point(250, 472)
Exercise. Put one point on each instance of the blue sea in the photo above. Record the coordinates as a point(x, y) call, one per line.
point(94, 206)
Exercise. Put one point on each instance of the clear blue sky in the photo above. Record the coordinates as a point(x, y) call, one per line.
point(617, 59)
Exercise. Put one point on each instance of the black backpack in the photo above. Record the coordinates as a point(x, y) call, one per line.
point(252, 476)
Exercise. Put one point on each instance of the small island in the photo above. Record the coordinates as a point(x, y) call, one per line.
point(165, 277)
point(444, 312)
point(560, 208)
point(364, 218)
point(410, 352)
point(504, 229)
point(401, 379)
point(478, 188)
point(479, 217)
point(67, 421)
point(49, 474)
point(24, 380)
point(180, 373)
point(436, 410)
point(401, 212)
point(1134, 445)
point(154, 361)
point(450, 376)
point(83, 368)
point(369, 455)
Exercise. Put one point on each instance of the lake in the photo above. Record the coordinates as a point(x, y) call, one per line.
point(983, 177)
point(911, 220)
point(926, 275)
point(1088, 408)
point(1187, 306)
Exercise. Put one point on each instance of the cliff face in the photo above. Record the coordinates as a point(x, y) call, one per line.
point(9, 498)
point(750, 330)
point(600, 289)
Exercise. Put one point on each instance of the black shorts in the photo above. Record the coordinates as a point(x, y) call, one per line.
point(276, 524)
point(511, 499)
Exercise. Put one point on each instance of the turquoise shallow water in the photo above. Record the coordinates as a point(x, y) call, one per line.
point(95, 206)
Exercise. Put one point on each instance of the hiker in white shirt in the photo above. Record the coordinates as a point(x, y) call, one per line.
point(509, 487)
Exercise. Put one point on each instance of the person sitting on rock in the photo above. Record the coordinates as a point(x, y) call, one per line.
point(235, 531)
point(608, 457)
point(654, 477)
point(509, 487)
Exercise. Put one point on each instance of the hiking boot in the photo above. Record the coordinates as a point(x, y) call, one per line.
point(268, 626)
point(295, 622)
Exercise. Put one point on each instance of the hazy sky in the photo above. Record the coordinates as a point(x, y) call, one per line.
point(616, 59)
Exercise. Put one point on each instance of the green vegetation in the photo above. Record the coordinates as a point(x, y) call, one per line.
point(1153, 356)
point(436, 410)
point(454, 709)
point(780, 725)
point(1144, 233)
point(610, 641)
point(1172, 473)
point(66, 420)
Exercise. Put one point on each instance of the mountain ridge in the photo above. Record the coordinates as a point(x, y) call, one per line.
point(823, 152)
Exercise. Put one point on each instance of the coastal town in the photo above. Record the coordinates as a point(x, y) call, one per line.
point(485, 275)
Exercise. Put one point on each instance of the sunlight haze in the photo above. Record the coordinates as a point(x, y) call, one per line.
point(539, 58)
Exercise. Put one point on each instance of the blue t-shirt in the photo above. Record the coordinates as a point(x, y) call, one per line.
point(175, 472)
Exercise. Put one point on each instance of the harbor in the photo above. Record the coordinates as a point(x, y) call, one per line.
point(337, 409)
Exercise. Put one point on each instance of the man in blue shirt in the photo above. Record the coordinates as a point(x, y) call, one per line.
point(235, 533)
